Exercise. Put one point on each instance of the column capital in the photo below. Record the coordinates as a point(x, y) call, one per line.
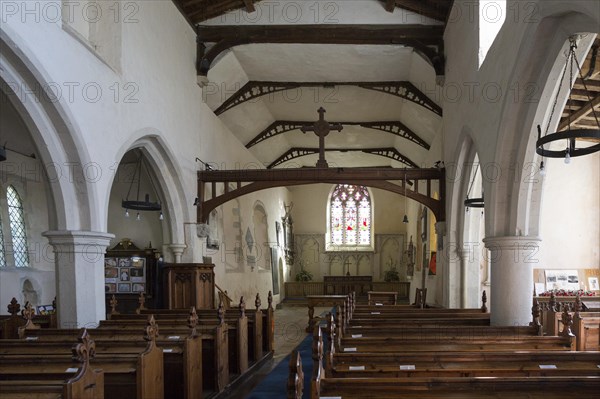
point(511, 242)
point(78, 240)
point(177, 249)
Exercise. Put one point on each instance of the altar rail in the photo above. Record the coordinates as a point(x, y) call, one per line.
point(303, 288)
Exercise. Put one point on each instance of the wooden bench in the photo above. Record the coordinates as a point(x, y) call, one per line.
point(182, 352)
point(10, 324)
point(380, 298)
point(132, 369)
point(323, 384)
point(82, 382)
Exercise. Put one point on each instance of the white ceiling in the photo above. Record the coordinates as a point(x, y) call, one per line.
point(326, 63)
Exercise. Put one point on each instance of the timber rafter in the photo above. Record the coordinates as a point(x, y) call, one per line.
point(388, 152)
point(393, 127)
point(434, 9)
point(256, 89)
point(211, 182)
point(426, 40)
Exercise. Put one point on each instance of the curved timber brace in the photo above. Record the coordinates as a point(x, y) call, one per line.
point(389, 152)
point(255, 89)
point(249, 181)
point(393, 127)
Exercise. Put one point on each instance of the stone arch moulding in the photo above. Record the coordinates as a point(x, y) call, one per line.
point(514, 201)
point(166, 174)
point(57, 138)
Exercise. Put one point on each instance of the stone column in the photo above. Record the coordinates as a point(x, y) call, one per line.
point(79, 268)
point(512, 260)
point(177, 250)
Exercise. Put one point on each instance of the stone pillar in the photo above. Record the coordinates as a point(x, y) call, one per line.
point(79, 268)
point(512, 260)
point(177, 250)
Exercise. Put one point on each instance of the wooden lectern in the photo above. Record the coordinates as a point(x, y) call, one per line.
point(189, 284)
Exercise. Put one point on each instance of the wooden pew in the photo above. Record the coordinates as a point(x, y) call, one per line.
point(10, 324)
point(214, 334)
point(87, 383)
point(295, 383)
point(132, 369)
point(237, 328)
point(323, 384)
point(182, 352)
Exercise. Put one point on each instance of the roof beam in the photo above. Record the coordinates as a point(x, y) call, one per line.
point(393, 127)
point(402, 89)
point(582, 113)
point(438, 11)
point(389, 152)
point(426, 40)
point(248, 181)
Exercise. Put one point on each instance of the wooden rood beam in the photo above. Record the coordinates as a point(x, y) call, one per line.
point(249, 181)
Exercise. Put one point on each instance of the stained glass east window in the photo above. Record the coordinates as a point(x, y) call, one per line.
point(350, 216)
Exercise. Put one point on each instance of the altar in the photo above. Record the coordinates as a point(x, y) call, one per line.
point(343, 285)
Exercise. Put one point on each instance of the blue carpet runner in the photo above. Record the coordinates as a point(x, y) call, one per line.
point(274, 386)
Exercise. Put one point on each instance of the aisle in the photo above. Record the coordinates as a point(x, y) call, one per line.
point(289, 335)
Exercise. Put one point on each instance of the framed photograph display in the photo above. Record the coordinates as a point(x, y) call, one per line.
point(122, 273)
point(129, 271)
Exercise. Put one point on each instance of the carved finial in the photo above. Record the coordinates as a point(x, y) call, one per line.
point(242, 307)
point(85, 349)
point(553, 302)
point(14, 307)
point(142, 302)
point(270, 300)
point(484, 308)
point(257, 302)
point(578, 306)
point(567, 321)
point(113, 305)
point(534, 293)
point(296, 376)
point(536, 313)
point(193, 320)
point(28, 312)
point(221, 313)
point(151, 329)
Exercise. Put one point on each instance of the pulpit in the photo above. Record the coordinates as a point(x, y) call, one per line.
point(189, 284)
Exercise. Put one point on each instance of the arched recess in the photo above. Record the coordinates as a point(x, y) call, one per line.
point(515, 198)
point(167, 180)
point(56, 136)
point(261, 235)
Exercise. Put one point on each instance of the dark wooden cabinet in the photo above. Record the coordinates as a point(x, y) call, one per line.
point(189, 284)
point(128, 271)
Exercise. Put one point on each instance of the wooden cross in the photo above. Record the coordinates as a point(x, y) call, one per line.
point(322, 129)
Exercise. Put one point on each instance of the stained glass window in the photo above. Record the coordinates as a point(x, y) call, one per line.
point(350, 216)
point(2, 259)
point(17, 227)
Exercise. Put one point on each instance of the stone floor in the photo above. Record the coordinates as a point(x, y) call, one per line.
point(290, 324)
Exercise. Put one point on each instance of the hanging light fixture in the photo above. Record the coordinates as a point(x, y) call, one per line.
point(405, 219)
point(473, 202)
point(137, 204)
point(572, 136)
